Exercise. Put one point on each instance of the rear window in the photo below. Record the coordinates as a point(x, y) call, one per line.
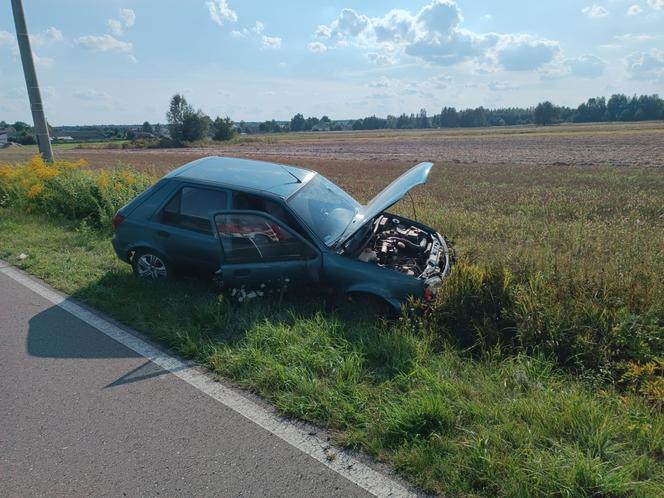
point(189, 208)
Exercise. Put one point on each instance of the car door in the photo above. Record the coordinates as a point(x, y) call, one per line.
point(182, 228)
point(258, 252)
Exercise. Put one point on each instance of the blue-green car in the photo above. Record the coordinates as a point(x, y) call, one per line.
point(260, 227)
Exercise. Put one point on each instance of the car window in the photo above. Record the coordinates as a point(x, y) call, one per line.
point(247, 238)
point(190, 207)
point(251, 202)
point(325, 207)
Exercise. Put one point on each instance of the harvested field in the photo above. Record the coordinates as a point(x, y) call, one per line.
point(615, 145)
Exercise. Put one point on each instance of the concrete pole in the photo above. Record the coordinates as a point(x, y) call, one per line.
point(38, 116)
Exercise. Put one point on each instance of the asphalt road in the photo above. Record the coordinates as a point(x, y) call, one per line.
point(83, 415)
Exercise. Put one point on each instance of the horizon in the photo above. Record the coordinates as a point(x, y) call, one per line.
point(253, 62)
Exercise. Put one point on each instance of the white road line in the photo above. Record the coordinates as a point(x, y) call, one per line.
point(355, 471)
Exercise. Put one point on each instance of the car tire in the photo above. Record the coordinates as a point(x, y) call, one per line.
point(150, 265)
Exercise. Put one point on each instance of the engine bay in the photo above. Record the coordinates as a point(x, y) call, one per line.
point(403, 247)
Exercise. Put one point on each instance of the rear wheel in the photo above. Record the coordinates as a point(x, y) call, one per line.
point(150, 265)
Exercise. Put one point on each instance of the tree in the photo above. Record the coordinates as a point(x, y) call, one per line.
point(422, 120)
point(616, 105)
point(195, 126)
point(20, 126)
point(147, 128)
point(297, 123)
point(449, 118)
point(592, 111)
point(185, 124)
point(223, 129)
point(178, 110)
point(544, 113)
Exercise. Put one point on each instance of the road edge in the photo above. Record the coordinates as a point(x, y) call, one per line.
point(342, 461)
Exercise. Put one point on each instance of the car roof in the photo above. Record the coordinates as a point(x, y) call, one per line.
point(279, 179)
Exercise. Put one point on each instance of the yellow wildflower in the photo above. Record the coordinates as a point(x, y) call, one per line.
point(6, 172)
point(103, 180)
point(127, 177)
point(35, 190)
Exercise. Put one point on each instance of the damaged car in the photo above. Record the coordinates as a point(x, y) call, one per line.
point(261, 227)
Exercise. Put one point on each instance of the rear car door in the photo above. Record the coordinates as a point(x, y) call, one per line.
point(182, 228)
point(258, 252)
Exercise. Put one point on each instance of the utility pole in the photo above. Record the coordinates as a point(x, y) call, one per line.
point(38, 116)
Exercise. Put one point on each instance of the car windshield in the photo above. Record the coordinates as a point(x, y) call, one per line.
point(326, 208)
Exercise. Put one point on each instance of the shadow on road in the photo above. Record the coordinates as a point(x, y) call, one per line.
point(54, 333)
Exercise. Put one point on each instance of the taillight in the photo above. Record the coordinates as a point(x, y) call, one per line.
point(429, 294)
point(117, 220)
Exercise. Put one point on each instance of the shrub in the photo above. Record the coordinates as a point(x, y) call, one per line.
point(68, 190)
point(580, 324)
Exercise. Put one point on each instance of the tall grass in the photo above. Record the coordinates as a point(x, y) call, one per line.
point(64, 189)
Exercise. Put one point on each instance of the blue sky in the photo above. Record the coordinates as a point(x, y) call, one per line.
point(120, 61)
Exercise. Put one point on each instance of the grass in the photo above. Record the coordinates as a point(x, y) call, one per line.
point(539, 370)
point(508, 425)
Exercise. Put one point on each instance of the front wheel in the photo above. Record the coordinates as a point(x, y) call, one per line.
point(150, 265)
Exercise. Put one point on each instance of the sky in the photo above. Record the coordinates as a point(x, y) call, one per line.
point(120, 61)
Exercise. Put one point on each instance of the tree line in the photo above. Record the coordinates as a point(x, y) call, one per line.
point(186, 124)
point(619, 107)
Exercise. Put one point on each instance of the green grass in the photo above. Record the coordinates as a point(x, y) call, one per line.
point(494, 424)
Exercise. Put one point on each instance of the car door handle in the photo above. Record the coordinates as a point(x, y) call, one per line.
point(163, 233)
point(241, 273)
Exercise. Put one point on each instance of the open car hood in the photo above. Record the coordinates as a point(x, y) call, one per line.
point(393, 193)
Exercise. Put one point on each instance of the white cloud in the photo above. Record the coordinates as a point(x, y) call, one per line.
point(381, 59)
point(103, 43)
point(132, 59)
point(7, 38)
point(595, 11)
point(272, 42)
point(501, 86)
point(323, 32)
point(656, 4)
point(634, 10)
point(434, 35)
point(90, 94)
point(128, 17)
point(629, 37)
point(115, 27)
point(258, 31)
point(220, 11)
point(646, 65)
point(53, 34)
point(523, 52)
point(43, 62)
point(586, 66)
point(317, 47)
point(50, 35)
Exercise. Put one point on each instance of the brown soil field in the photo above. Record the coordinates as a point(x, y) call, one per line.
point(638, 145)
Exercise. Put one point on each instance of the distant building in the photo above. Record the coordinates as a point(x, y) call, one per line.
point(4, 137)
point(66, 138)
point(321, 127)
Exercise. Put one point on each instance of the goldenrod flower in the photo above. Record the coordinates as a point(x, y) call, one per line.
point(103, 180)
point(35, 190)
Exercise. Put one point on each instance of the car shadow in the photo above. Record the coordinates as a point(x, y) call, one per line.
point(55, 333)
point(191, 302)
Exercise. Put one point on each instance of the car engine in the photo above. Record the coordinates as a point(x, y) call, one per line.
point(400, 246)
